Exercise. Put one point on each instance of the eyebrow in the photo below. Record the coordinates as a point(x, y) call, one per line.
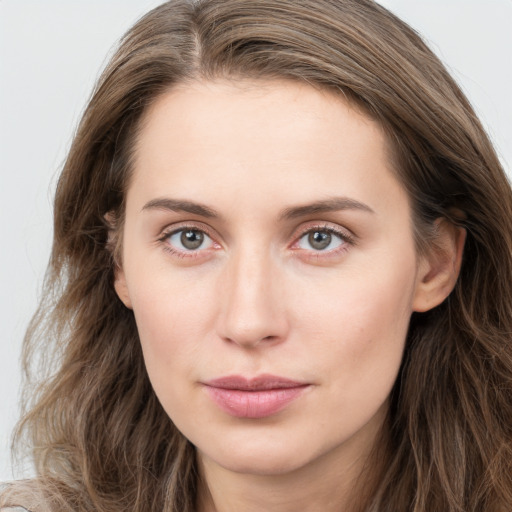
point(324, 206)
point(328, 205)
point(178, 205)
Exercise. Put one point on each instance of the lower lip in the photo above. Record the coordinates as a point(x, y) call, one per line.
point(254, 404)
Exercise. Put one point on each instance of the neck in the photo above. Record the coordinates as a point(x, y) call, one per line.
point(341, 480)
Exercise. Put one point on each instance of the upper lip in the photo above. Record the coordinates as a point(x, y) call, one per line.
point(259, 383)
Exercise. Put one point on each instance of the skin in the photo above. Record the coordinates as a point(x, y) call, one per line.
point(257, 297)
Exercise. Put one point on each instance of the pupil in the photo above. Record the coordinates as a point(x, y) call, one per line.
point(192, 239)
point(319, 240)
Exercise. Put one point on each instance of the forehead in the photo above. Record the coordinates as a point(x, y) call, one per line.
point(215, 109)
point(282, 139)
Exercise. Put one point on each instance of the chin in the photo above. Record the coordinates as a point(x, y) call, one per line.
point(263, 464)
point(261, 456)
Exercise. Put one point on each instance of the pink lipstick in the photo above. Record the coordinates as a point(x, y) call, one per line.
point(253, 398)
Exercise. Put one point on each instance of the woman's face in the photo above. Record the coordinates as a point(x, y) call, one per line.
point(270, 263)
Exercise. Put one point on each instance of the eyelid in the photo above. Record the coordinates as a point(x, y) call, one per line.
point(184, 225)
point(172, 229)
point(345, 234)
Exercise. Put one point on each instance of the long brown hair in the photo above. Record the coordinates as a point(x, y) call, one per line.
point(98, 436)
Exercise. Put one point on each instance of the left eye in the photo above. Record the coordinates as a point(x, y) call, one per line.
point(190, 240)
point(320, 240)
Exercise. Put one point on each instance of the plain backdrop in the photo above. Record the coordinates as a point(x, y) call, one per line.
point(51, 52)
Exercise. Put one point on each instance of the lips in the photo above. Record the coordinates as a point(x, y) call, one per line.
point(254, 398)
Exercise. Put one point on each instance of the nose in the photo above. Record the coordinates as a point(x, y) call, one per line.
point(252, 308)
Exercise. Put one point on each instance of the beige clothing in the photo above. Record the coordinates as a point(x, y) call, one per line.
point(22, 496)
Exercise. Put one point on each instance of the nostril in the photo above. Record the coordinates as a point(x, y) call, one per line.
point(249, 341)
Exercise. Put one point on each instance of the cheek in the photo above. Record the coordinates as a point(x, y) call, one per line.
point(357, 326)
point(347, 328)
point(172, 311)
point(372, 298)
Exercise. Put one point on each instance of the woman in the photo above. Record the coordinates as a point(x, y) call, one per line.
point(280, 276)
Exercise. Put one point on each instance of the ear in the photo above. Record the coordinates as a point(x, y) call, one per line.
point(439, 269)
point(113, 246)
point(121, 287)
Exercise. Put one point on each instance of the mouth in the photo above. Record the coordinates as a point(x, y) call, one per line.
point(254, 398)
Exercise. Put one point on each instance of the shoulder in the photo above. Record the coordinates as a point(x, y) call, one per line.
point(33, 495)
point(20, 496)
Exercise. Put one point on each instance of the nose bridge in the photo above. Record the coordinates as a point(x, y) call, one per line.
point(251, 311)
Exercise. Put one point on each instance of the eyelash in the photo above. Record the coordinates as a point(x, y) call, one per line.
point(344, 236)
point(347, 240)
point(184, 254)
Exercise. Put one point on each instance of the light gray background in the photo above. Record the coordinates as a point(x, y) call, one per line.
point(51, 52)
